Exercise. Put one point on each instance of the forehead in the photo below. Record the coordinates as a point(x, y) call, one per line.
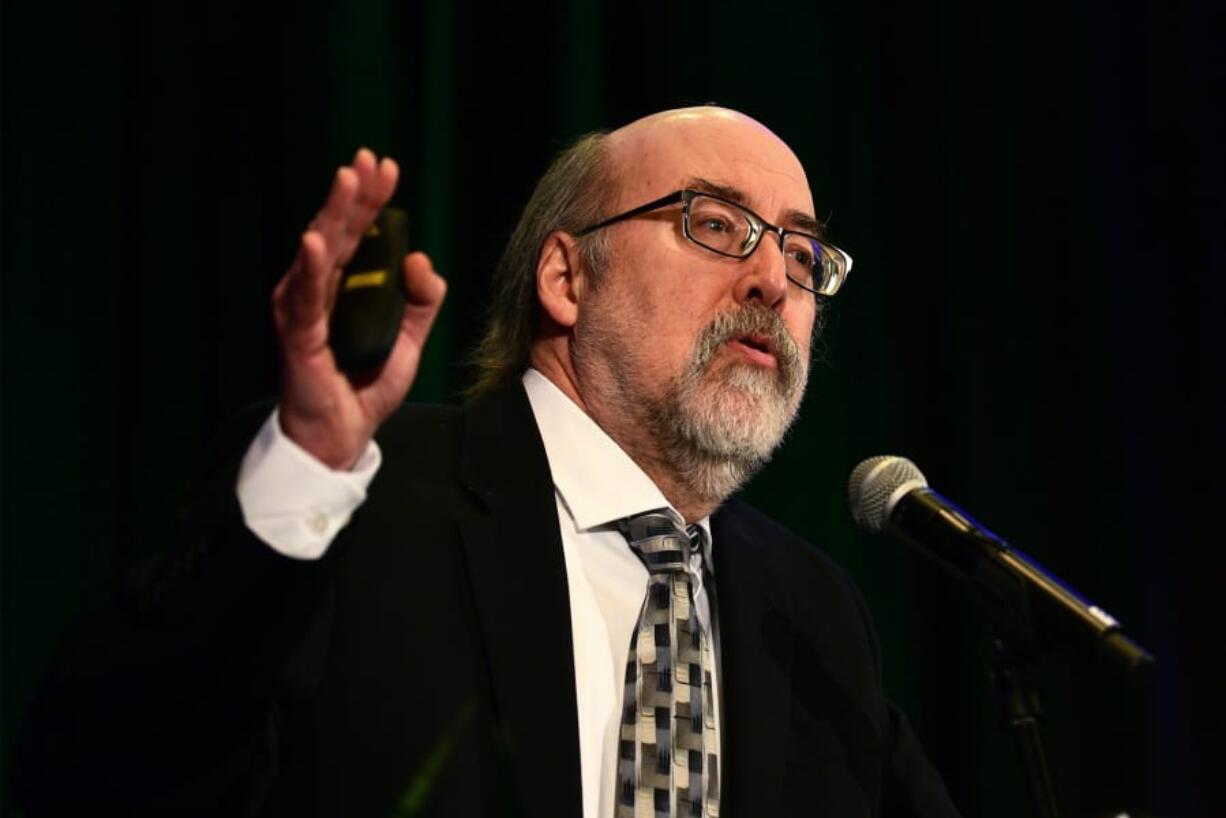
point(662, 153)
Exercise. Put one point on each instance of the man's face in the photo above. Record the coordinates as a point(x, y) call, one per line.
point(707, 354)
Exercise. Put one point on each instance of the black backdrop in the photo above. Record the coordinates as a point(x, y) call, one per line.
point(1032, 193)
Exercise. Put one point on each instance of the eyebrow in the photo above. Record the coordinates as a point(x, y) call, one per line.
point(792, 219)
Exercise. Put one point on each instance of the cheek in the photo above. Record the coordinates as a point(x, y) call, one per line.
point(662, 305)
point(666, 295)
point(799, 326)
point(800, 321)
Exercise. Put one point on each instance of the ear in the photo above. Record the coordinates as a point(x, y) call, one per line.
point(559, 278)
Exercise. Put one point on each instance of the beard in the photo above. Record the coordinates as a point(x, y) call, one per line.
point(718, 421)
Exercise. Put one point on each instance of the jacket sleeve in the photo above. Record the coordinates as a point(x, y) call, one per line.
point(163, 698)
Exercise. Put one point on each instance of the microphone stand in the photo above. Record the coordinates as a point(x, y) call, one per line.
point(1019, 711)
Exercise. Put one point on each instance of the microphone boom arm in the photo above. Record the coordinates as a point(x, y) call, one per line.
point(1024, 601)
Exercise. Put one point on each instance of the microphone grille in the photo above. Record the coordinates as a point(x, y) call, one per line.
point(874, 486)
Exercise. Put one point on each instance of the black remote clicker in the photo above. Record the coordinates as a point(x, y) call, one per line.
point(370, 300)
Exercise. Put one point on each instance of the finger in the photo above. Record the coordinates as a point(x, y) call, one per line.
point(425, 290)
point(301, 298)
point(364, 164)
point(332, 219)
point(423, 285)
point(377, 183)
point(386, 179)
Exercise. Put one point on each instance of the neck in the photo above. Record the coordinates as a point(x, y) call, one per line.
point(685, 481)
point(676, 478)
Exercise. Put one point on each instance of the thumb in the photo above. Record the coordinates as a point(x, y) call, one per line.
point(424, 292)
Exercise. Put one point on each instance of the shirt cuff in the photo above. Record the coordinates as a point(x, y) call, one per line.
point(293, 502)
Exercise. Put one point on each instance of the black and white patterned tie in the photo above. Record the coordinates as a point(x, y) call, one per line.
point(667, 758)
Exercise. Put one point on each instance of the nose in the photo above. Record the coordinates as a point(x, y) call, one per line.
point(764, 277)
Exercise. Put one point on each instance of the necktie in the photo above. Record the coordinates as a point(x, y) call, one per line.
point(668, 761)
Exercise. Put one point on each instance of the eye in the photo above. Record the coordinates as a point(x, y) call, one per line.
point(801, 255)
point(801, 251)
point(718, 225)
point(715, 224)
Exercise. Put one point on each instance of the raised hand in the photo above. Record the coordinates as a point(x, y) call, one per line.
point(326, 412)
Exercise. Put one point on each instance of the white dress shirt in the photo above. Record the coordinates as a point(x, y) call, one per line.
point(297, 505)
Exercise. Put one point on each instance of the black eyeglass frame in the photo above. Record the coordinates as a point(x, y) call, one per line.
point(759, 225)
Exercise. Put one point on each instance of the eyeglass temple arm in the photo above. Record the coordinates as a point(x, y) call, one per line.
point(671, 198)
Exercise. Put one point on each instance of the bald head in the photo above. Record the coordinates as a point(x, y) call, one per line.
point(667, 150)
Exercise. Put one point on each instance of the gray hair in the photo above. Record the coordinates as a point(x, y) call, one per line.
point(573, 193)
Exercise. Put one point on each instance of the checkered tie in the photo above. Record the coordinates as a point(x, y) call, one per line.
point(668, 759)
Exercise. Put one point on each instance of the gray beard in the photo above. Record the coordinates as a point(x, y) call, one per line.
point(718, 429)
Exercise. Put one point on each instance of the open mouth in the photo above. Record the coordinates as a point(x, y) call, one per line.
point(757, 348)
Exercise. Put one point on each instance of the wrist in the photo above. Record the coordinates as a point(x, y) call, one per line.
point(322, 441)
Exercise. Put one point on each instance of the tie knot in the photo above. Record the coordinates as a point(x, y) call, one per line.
point(660, 543)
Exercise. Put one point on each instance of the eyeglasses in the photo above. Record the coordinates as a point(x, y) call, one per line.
point(731, 230)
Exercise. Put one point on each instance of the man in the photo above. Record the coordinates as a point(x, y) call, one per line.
point(467, 633)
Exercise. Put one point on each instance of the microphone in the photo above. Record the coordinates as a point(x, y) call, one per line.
point(1030, 607)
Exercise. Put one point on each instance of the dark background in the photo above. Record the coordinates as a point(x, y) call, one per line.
point(1033, 194)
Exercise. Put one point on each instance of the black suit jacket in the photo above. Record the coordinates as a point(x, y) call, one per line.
point(424, 666)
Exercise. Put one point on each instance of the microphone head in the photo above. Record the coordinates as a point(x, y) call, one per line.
point(877, 484)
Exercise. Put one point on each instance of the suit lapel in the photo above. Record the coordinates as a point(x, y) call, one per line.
point(514, 553)
point(755, 686)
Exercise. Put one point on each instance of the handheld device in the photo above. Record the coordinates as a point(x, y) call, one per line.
point(370, 300)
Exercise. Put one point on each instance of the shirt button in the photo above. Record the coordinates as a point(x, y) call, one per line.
point(317, 522)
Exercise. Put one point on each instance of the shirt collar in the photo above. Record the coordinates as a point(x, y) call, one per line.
point(599, 483)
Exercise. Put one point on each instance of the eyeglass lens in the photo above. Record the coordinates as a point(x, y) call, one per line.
point(729, 229)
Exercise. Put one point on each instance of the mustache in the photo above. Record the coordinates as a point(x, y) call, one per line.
point(752, 319)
